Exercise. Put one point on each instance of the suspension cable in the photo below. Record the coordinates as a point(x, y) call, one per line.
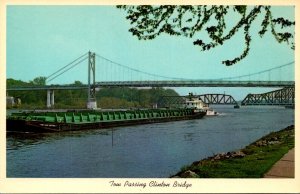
point(139, 71)
point(64, 67)
point(256, 73)
point(176, 78)
point(68, 68)
point(63, 70)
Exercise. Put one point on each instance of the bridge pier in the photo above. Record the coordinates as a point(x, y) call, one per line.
point(50, 98)
point(91, 104)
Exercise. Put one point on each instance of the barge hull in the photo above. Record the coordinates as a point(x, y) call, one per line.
point(36, 126)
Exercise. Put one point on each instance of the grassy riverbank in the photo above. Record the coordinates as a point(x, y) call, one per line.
point(251, 162)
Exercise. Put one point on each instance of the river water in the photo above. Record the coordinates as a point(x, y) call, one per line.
point(144, 151)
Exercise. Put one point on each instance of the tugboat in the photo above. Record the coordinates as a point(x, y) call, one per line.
point(194, 103)
point(198, 105)
point(211, 112)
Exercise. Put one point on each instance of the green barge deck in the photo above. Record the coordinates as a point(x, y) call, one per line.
point(78, 120)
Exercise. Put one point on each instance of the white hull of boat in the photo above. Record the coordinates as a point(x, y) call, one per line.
point(211, 113)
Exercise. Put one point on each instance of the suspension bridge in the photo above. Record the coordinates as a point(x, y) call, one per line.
point(125, 76)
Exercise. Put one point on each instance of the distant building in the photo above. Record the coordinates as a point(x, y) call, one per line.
point(10, 101)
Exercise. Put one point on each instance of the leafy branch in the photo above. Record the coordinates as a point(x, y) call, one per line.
point(148, 22)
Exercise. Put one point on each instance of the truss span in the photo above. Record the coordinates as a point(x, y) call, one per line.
point(178, 101)
point(217, 99)
point(284, 97)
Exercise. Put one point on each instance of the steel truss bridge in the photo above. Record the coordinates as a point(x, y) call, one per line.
point(281, 97)
point(178, 101)
point(285, 97)
point(217, 99)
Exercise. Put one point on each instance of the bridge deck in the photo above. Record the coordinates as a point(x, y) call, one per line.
point(184, 83)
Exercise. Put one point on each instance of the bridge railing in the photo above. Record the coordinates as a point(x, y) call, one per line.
point(196, 83)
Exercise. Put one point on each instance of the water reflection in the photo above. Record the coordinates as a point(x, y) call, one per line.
point(16, 140)
point(188, 136)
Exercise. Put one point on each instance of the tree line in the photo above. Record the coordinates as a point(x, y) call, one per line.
point(124, 97)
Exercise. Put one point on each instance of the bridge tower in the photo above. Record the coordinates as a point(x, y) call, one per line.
point(91, 102)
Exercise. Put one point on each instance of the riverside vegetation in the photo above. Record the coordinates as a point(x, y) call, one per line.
point(251, 162)
point(106, 98)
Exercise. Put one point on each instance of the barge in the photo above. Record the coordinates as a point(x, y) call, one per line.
point(40, 122)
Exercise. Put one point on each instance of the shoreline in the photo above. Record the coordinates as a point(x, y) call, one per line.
point(252, 161)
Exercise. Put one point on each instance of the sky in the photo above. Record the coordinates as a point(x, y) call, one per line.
point(42, 39)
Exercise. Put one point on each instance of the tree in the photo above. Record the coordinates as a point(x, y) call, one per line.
point(78, 83)
point(149, 22)
point(41, 81)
